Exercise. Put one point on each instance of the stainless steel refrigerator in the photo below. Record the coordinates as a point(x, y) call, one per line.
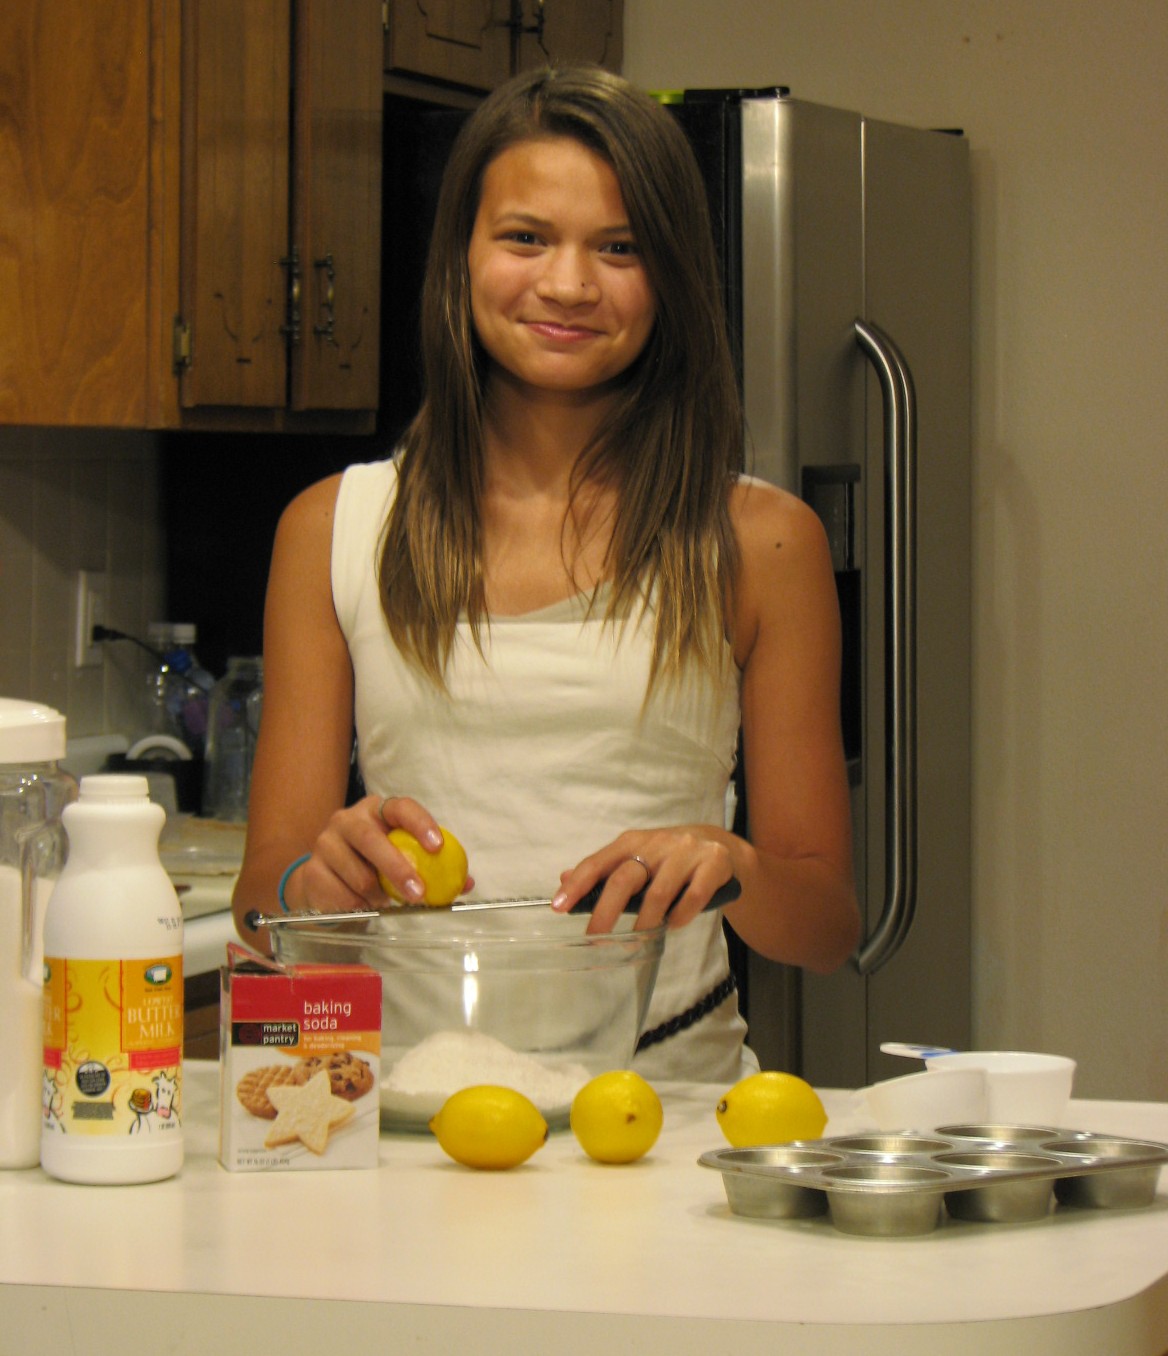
point(845, 245)
point(845, 252)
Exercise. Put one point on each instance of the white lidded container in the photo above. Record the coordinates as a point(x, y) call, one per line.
point(33, 791)
point(113, 995)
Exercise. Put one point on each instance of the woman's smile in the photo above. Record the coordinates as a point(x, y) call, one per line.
point(549, 329)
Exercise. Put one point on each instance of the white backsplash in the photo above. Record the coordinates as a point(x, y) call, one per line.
point(77, 499)
point(89, 753)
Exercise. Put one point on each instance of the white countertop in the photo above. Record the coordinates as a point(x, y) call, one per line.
point(205, 941)
point(561, 1254)
point(202, 858)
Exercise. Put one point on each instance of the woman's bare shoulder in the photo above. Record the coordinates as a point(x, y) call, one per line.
point(766, 517)
point(303, 543)
point(313, 508)
point(785, 582)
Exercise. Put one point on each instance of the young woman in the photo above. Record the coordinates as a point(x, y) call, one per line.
point(549, 615)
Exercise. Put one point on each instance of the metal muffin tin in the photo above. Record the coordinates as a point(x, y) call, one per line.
point(897, 1185)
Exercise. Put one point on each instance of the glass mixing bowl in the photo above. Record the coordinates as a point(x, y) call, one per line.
point(523, 998)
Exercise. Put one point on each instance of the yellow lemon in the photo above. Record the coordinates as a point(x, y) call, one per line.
point(443, 873)
point(489, 1127)
point(770, 1108)
point(616, 1117)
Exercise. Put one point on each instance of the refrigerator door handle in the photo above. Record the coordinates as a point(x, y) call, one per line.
point(900, 829)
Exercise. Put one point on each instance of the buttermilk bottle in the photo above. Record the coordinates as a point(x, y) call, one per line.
point(113, 995)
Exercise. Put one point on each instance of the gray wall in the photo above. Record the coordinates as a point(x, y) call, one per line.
point(1063, 104)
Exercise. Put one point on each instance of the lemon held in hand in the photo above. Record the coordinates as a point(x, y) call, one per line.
point(770, 1108)
point(616, 1117)
point(489, 1127)
point(443, 873)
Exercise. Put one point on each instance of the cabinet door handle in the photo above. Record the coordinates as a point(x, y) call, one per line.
point(519, 26)
point(291, 329)
point(328, 302)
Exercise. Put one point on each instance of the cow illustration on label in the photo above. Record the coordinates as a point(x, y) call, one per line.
point(51, 1104)
point(155, 1111)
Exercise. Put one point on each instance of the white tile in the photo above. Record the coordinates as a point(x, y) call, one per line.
point(17, 561)
point(52, 596)
point(16, 672)
point(89, 514)
point(76, 499)
point(49, 676)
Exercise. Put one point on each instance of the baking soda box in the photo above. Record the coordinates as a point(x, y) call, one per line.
point(299, 1063)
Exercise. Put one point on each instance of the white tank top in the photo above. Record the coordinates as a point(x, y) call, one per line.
point(540, 751)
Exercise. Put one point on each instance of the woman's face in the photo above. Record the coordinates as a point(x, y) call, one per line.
point(559, 295)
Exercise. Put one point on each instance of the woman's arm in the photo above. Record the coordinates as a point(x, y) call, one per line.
point(798, 901)
point(301, 770)
point(302, 754)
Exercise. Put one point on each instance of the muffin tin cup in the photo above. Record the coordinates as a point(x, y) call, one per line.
point(902, 1185)
point(1128, 1183)
point(1017, 1186)
point(1001, 1134)
point(753, 1189)
point(884, 1200)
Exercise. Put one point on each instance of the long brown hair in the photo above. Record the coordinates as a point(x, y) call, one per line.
point(672, 440)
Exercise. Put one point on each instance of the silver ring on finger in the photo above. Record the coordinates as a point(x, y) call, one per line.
point(644, 865)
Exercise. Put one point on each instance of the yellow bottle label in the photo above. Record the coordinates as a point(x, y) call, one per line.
point(113, 1046)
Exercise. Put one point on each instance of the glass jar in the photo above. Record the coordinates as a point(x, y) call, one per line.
point(233, 724)
point(34, 790)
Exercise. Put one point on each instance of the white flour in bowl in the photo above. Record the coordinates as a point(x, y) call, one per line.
point(449, 1060)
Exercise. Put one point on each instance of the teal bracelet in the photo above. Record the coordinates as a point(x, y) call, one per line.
point(284, 880)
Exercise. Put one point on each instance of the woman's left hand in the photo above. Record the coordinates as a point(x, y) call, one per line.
point(678, 869)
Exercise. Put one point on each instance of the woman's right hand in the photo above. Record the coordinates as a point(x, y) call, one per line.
point(352, 854)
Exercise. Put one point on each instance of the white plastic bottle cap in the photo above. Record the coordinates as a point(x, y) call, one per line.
point(111, 786)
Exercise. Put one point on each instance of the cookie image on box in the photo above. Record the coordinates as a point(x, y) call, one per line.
point(349, 1075)
point(252, 1088)
point(300, 1049)
point(307, 1112)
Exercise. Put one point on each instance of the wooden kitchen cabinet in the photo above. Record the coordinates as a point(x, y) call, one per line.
point(281, 204)
point(75, 212)
point(458, 42)
point(570, 30)
point(478, 44)
point(190, 230)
